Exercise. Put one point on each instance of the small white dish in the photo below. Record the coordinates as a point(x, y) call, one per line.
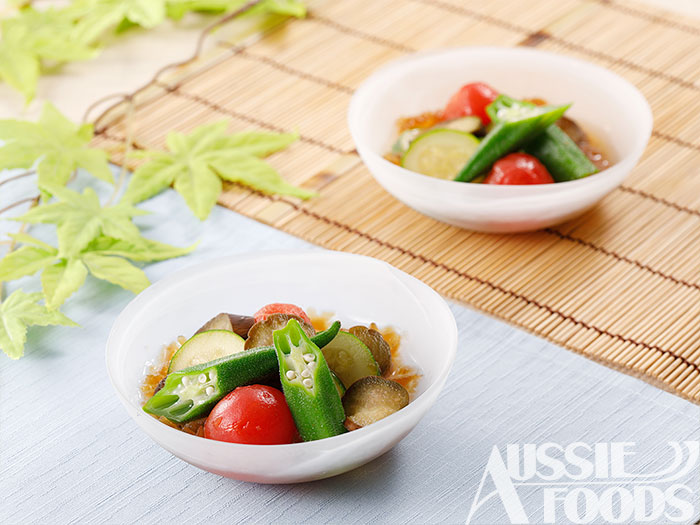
point(358, 289)
point(604, 104)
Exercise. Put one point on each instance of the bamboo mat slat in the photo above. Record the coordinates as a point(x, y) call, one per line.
point(620, 285)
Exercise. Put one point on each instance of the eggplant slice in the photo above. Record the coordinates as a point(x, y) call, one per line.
point(260, 334)
point(239, 324)
point(372, 398)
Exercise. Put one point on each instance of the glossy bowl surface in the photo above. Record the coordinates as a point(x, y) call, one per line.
point(358, 289)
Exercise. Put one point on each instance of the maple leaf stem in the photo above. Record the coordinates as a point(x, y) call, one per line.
point(120, 96)
point(128, 145)
point(16, 177)
point(221, 21)
point(23, 227)
point(159, 73)
point(16, 203)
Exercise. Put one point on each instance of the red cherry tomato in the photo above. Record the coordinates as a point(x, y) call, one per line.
point(280, 308)
point(518, 168)
point(254, 415)
point(471, 99)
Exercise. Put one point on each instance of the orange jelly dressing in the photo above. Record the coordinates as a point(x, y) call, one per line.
point(157, 370)
point(405, 375)
point(320, 320)
point(155, 374)
point(394, 158)
point(423, 121)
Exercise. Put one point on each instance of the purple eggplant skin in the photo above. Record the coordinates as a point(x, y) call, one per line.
point(239, 324)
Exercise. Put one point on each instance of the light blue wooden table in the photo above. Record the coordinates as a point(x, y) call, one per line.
point(70, 454)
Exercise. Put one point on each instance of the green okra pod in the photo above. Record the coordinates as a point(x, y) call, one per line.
point(514, 125)
point(561, 156)
point(191, 393)
point(308, 385)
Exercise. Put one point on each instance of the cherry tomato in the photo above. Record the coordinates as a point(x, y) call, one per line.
point(471, 99)
point(518, 168)
point(254, 415)
point(280, 308)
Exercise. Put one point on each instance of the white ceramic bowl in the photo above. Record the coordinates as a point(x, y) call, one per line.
point(605, 104)
point(358, 289)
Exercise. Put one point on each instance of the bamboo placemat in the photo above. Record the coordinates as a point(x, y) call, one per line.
point(620, 285)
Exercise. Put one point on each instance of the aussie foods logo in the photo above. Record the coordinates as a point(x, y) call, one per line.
point(584, 483)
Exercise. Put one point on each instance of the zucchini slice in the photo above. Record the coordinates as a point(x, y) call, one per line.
point(381, 351)
point(339, 386)
point(349, 358)
point(440, 153)
point(204, 347)
point(466, 124)
point(404, 141)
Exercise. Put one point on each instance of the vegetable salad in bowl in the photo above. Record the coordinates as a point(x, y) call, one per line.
point(482, 136)
point(278, 377)
point(487, 131)
point(279, 394)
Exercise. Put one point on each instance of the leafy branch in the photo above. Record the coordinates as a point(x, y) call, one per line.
point(34, 40)
point(196, 163)
point(54, 146)
point(101, 239)
point(19, 311)
point(94, 238)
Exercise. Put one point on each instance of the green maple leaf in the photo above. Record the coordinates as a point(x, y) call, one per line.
point(63, 278)
point(56, 144)
point(142, 250)
point(19, 311)
point(104, 258)
point(26, 260)
point(294, 8)
point(257, 174)
point(97, 16)
point(33, 36)
point(196, 163)
point(178, 8)
point(116, 270)
point(80, 218)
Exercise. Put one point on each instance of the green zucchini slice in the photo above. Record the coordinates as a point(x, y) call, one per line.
point(404, 141)
point(440, 153)
point(349, 358)
point(381, 351)
point(466, 124)
point(339, 386)
point(204, 347)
